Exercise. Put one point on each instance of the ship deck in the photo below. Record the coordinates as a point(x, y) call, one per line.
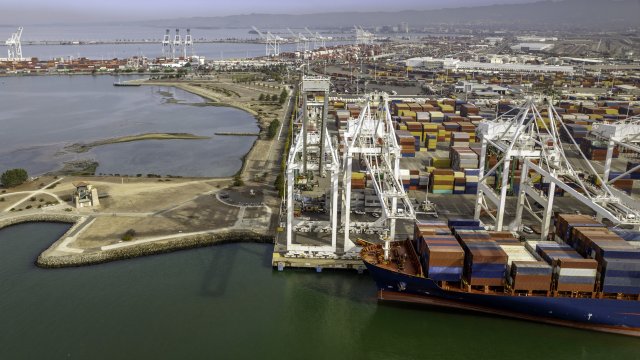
point(402, 258)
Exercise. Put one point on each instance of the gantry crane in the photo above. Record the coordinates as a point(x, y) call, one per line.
point(312, 153)
point(167, 46)
point(525, 136)
point(14, 45)
point(372, 137)
point(302, 43)
point(319, 41)
point(177, 43)
point(272, 42)
point(363, 37)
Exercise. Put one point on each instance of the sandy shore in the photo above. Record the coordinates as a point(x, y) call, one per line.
point(79, 147)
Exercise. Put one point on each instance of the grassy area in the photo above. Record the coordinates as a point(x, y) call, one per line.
point(80, 148)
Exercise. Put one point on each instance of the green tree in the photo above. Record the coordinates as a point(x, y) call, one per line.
point(273, 128)
point(14, 177)
point(237, 180)
point(274, 97)
point(279, 184)
point(261, 97)
point(283, 96)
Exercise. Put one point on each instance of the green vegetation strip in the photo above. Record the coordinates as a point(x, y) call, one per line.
point(80, 148)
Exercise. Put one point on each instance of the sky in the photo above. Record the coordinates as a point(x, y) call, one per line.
point(47, 12)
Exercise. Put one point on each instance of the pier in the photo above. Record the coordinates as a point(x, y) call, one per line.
point(280, 262)
point(236, 134)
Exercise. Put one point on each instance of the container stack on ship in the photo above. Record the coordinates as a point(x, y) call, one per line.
point(589, 277)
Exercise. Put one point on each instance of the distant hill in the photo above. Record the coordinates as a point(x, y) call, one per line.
point(584, 14)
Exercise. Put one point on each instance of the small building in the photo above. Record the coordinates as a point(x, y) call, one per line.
point(85, 195)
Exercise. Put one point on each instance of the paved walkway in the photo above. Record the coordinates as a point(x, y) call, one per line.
point(31, 194)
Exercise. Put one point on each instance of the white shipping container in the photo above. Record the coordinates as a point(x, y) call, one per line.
point(517, 253)
point(531, 246)
point(591, 273)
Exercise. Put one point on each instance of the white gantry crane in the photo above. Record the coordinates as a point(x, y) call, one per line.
point(302, 43)
point(312, 153)
point(363, 37)
point(372, 138)
point(187, 49)
point(177, 44)
point(14, 45)
point(625, 134)
point(272, 42)
point(167, 45)
point(526, 137)
point(319, 41)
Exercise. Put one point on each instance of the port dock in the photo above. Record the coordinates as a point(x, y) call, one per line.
point(280, 262)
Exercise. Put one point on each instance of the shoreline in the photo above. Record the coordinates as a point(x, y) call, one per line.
point(58, 255)
point(217, 102)
point(82, 147)
point(104, 256)
point(194, 90)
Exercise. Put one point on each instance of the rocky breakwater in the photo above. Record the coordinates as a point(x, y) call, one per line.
point(40, 217)
point(97, 256)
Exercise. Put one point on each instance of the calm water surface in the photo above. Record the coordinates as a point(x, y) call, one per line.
point(151, 34)
point(42, 114)
point(226, 302)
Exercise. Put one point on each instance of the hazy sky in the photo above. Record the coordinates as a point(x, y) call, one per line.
point(48, 11)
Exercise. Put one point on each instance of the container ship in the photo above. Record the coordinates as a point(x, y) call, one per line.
point(587, 277)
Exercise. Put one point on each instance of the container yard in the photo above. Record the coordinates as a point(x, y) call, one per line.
point(362, 170)
point(440, 152)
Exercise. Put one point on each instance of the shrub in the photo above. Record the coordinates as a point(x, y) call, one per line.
point(128, 235)
point(283, 97)
point(32, 198)
point(14, 177)
point(237, 181)
point(279, 184)
point(28, 207)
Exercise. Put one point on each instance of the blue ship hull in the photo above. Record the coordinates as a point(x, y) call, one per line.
point(608, 315)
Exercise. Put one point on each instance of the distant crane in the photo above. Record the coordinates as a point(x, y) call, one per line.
point(318, 40)
point(166, 45)
point(15, 47)
point(321, 39)
point(272, 42)
point(363, 37)
point(177, 42)
point(301, 41)
point(188, 45)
